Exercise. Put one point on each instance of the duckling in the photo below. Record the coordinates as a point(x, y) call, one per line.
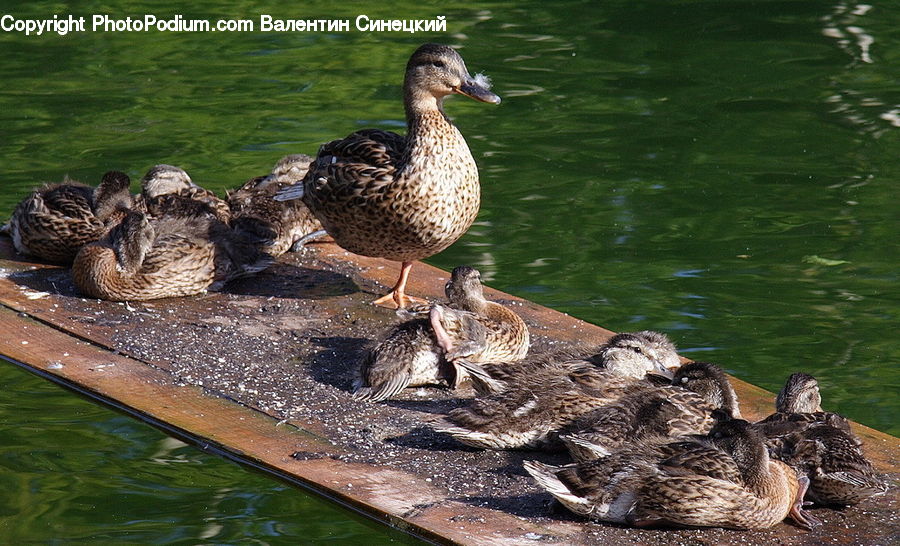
point(532, 408)
point(422, 351)
point(402, 198)
point(54, 222)
point(685, 407)
point(820, 445)
point(799, 404)
point(143, 259)
point(169, 191)
point(625, 354)
point(280, 225)
point(726, 480)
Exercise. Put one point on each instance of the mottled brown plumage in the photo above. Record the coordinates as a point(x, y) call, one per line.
point(470, 327)
point(402, 198)
point(144, 258)
point(724, 480)
point(54, 222)
point(655, 413)
point(169, 191)
point(634, 351)
point(532, 407)
point(277, 225)
point(820, 445)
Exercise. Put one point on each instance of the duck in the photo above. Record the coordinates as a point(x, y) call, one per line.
point(535, 406)
point(820, 445)
point(402, 198)
point(626, 354)
point(144, 258)
point(422, 351)
point(55, 221)
point(726, 479)
point(685, 407)
point(279, 225)
point(167, 190)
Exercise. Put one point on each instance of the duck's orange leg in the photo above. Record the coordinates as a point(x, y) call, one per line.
point(397, 298)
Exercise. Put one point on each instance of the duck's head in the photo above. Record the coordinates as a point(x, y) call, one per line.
point(710, 382)
point(290, 169)
point(464, 289)
point(435, 71)
point(629, 355)
point(800, 394)
point(112, 194)
point(131, 240)
point(165, 179)
point(661, 349)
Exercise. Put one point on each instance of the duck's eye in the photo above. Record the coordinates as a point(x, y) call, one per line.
point(684, 379)
point(638, 350)
point(437, 64)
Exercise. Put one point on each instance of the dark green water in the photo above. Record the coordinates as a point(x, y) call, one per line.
point(724, 172)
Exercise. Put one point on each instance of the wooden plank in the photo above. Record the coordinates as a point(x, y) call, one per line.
point(226, 369)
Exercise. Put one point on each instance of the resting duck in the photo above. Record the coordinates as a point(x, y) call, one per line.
point(532, 408)
point(279, 225)
point(143, 259)
point(820, 445)
point(626, 354)
point(422, 351)
point(55, 221)
point(655, 414)
point(402, 198)
point(726, 480)
point(169, 191)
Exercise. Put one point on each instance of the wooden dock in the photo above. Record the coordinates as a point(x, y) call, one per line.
point(261, 374)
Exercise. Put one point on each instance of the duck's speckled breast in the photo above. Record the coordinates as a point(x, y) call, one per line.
point(432, 201)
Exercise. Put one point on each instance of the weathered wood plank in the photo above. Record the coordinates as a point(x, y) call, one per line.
point(285, 344)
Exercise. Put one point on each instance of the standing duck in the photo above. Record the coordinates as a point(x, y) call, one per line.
point(820, 445)
point(279, 225)
point(402, 198)
point(423, 351)
point(726, 480)
point(54, 222)
point(555, 389)
point(655, 414)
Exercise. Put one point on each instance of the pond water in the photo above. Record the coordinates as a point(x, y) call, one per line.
point(724, 172)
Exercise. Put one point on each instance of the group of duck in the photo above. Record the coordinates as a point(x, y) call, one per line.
point(653, 442)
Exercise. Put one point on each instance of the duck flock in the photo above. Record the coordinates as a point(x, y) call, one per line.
point(653, 442)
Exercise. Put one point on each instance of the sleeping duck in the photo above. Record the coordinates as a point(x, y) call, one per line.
point(655, 414)
point(54, 222)
point(144, 258)
point(820, 445)
point(557, 388)
point(169, 191)
point(279, 225)
point(723, 480)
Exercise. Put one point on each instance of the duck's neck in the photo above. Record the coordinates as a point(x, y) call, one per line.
point(129, 254)
point(428, 126)
point(473, 304)
point(753, 460)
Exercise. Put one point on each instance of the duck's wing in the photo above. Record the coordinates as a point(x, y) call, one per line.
point(407, 356)
point(363, 164)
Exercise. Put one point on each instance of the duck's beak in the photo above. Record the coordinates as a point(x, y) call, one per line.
point(473, 89)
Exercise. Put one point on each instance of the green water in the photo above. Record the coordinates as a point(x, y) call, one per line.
point(724, 172)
